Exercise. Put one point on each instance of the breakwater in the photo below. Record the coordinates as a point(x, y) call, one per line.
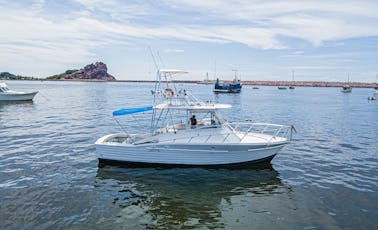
point(285, 83)
point(259, 83)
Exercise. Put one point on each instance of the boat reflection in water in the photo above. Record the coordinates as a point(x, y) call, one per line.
point(15, 103)
point(186, 197)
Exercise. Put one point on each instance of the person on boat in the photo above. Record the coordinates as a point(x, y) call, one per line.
point(193, 121)
point(212, 122)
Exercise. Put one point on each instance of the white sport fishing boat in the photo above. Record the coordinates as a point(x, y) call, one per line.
point(208, 141)
point(9, 95)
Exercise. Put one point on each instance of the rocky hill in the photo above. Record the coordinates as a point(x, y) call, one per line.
point(95, 72)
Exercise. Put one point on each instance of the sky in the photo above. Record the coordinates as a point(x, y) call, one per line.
point(312, 40)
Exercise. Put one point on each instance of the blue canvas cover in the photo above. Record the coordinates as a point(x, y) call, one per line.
point(128, 111)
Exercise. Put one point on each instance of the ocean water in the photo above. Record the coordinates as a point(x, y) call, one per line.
point(326, 178)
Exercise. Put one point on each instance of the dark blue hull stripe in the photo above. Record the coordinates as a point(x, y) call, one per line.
point(103, 162)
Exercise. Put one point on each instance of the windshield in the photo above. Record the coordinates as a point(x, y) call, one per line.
point(185, 119)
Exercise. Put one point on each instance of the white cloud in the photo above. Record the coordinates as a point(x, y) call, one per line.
point(174, 51)
point(37, 6)
point(62, 40)
point(117, 10)
point(313, 21)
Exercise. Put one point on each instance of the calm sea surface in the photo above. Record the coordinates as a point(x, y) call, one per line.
point(327, 178)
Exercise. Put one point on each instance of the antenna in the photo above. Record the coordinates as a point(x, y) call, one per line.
point(160, 59)
point(215, 68)
point(292, 75)
point(155, 91)
point(235, 70)
point(153, 58)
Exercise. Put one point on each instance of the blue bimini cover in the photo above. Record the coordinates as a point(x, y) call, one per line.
point(131, 111)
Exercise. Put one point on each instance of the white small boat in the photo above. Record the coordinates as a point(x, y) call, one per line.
point(208, 141)
point(346, 89)
point(9, 95)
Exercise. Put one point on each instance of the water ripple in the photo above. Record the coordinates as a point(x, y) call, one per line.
point(325, 179)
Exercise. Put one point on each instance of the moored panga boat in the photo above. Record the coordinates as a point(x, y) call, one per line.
point(10, 95)
point(210, 141)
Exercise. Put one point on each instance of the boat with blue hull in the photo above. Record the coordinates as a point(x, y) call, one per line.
point(282, 87)
point(234, 87)
point(207, 140)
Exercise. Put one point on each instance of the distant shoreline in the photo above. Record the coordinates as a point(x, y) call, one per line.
point(256, 83)
point(284, 83)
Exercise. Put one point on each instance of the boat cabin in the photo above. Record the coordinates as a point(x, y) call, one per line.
point(3, 88)
point(190, 119)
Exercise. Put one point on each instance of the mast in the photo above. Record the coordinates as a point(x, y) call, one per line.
point(291, 86)
point(348, 78)
point(215, 69)
point(235, 70)
point(292, 75)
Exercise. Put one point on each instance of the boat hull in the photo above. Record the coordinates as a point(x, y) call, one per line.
point(187, 155)
point(261, 162)
point(227, 90)
point(17, 96)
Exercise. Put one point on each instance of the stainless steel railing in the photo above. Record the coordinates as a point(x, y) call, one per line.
point(237, 132)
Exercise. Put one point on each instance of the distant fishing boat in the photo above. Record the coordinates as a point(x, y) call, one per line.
point(9, 95)
point(234, 87)
point(346, 88)
point(282, 87)
point(255, 87)
point(376, 84)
